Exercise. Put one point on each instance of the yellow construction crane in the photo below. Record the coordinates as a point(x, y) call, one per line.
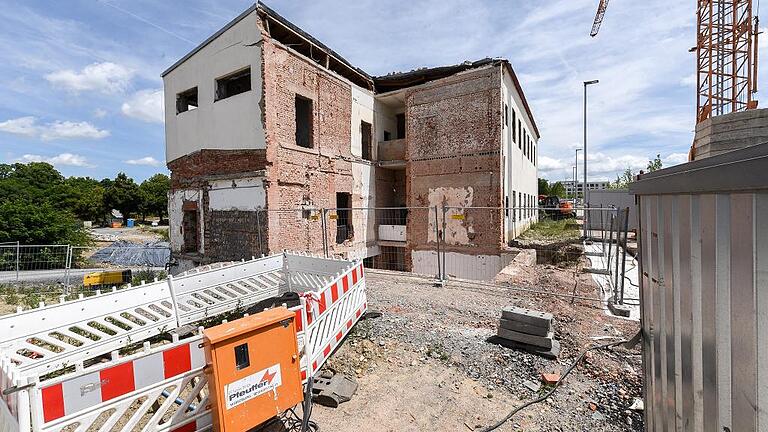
point(599, 17)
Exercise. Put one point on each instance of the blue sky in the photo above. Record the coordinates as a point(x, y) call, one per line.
point(80, 79)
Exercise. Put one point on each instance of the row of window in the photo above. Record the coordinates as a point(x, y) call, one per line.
point(525, 141)
point(519, 199)
point(226, 86)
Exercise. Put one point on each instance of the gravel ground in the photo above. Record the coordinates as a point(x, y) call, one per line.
point(425, 363)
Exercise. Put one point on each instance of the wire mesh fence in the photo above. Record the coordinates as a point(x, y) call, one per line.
point(63, 268)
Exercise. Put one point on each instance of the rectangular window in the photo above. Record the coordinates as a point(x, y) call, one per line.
point(400, 125)
point(520, 201)
point(365, 140)
point(514, 128)
point(534, 154)
point(242, 359)
point(387, 136)
point(190, 229)
point(519, 134)
point(186, 100)
point(343, 217)
point(234, 83)
point(506, 115)
point(303, 122)
point(514, 204)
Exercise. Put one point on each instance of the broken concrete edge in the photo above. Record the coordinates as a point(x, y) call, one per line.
point(618, 309)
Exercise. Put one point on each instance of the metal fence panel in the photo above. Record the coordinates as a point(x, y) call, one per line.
point(704, 270)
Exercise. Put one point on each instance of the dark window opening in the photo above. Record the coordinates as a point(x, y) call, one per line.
point(190, 228)
point(232, 84)
point(387, 136)
point(400, 125)
point(514, 128)
point(389, 258)
point(519, 134)
point(303, 122)
point(506, 115)
point(186, 100)
point(242, 359)
point(343, 217)
point(365, 140)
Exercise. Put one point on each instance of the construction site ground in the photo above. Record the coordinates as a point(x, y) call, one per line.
point(425, 363)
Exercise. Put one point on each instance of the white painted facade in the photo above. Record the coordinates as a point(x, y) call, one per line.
point(245, 194)
point(226, 124)
point(520, 174)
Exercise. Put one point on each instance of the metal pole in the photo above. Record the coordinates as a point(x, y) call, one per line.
point(67, 265)
point(258, 231)
point(624, 253)
point(610, 243)
point(585, 156)
point(586, 189)
point(324, 225)
point(576, 178)
point(442, 239)
point(18, 252)
point(618, 233)
point(437, 239)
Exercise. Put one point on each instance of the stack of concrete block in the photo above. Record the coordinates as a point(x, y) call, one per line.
point(527, 329)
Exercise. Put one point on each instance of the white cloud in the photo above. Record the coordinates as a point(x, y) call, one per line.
point(674, 159)
point(145, 105)
point(106, 77)
point(99, 113)
point(69, 130)
point(149, 161)
point(28, 126)
point(20, 126)
point(58, 160)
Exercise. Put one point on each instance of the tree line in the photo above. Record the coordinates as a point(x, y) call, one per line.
point(38, 205)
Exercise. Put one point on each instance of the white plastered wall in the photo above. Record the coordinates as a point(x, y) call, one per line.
point(227, 124)
point(520, 175)
point(246, 194)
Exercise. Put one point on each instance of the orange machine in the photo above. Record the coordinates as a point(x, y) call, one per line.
point(253, 369)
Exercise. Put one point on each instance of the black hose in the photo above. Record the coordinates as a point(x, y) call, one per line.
point(557, 384)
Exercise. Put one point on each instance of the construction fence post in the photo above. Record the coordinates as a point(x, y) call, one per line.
point(624, 253)
point(616, 265)
point(437, 241)
point(324, 227)
point(67, 266)
point(442, 239)
point(18, 253)
point(258, 231)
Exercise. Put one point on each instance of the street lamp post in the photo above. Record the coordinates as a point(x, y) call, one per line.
point(586, 189)
point(576, 175)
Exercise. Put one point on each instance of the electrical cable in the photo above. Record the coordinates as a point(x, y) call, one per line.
point(557, 384)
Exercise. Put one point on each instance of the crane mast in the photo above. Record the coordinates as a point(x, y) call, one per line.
point(599, 17)
point(726, 51)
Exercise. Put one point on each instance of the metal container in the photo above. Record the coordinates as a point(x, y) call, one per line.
point(703, 240)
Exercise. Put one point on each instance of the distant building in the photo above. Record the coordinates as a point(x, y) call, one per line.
point(264, 116)
point(594, 185)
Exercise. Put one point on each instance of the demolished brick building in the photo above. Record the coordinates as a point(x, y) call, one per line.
point(263, 116)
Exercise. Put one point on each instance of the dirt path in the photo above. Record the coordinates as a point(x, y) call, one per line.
point(426, 365)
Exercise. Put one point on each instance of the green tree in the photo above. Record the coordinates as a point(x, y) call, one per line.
point(84, 197)
point(623, 180)
point(557, 189)
point(154, 195)
point(543, 187)
point(655, 164)
point(33, 182)
point(123, 195)
point(33, 223)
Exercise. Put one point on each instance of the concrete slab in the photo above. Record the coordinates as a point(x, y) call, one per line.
point(524, 328)
point(550, 353)
point(527, 316)
point(539, 341)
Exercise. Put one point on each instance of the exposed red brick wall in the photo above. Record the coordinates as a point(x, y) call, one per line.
point(297, 175)
point(454, 141)
point(187, 171)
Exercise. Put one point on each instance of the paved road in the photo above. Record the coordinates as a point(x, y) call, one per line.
point(58, 275)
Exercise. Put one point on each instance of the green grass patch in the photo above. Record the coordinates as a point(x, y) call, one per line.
point(548, 229)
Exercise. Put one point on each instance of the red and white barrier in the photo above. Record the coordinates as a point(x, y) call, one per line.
point(164, 388)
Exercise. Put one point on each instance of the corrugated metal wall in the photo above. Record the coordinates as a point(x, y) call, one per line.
point(704, 292)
